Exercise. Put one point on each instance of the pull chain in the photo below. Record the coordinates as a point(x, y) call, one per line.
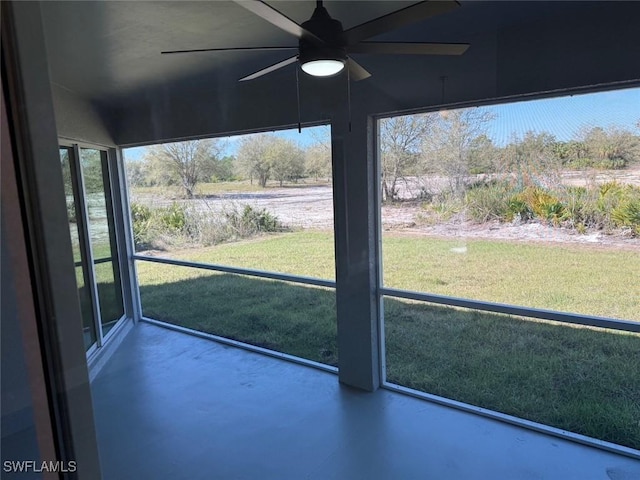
point(349, 94)
point(443, 79)
point(298, 99)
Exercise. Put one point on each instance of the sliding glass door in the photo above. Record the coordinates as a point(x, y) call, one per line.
point(88, 188)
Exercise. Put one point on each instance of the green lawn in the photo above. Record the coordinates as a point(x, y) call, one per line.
point(583, 279)
point(580, 379)
point(577, 278)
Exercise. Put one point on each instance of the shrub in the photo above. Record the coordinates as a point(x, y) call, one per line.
point(581, 208)
point(207, 228)
point(626, 212)
point(141, 223)
point(554, 212)
point(518, 208)
point(178, 224)
point(583, 163)
point(251, 221)
point(541, 203)
point(608, 206)
point(440, 208)
point(489, 201)
point(172, 218)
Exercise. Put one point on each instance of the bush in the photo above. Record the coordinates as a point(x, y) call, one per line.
point(607, 207)
point(625, 212)
point(172, 218)
point(179, 225)
point(581, 208)
point(141, 223)
point(490, 201)
point(617, 163)
point(541, 203)
point(519, 209)
point(251, 221)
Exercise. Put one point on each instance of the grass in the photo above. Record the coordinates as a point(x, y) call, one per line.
point(572, 278)
point(299, 253)
point(578, 379)
point(280, 316)
point(577, 278)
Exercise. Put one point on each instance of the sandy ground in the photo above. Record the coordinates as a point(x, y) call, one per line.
point(312, 207)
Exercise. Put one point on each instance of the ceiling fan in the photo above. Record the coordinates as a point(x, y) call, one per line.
point(324, 47)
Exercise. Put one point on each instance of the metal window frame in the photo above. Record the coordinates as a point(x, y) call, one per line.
point(81, 228)
point(127, 235)
point(77, 178)
point(538, 313)
point(377, 165)
point(119, 240)
point(113, 175)
point(318, 282)
point(564, 318)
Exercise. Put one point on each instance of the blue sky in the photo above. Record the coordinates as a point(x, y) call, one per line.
point(563, 117)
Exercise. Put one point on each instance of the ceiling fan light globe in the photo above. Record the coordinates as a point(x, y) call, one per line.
point(323, 67)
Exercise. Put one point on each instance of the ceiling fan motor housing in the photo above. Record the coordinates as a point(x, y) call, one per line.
point(327, 29)
point(324, 27)
point(310, 52)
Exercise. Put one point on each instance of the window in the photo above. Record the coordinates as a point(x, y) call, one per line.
point(234, 237)
point(508, 233)
point(91, 221)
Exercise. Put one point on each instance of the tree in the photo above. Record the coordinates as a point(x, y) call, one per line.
point(265, 156)
point(401, 140)
point(483, 155)
point(533, 158)
point(287, 160)
point(252, 158)
point(138, 173)
point(318, 160)
point(183, 163)
point(223, 169)
point(571, 152)
point(450, 143)
point(611, 148)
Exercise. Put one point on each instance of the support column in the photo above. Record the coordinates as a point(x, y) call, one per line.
point(354, 194)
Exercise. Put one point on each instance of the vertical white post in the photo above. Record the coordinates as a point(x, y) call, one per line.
point(354, 187)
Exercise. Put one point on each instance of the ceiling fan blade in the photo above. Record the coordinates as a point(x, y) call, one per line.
point(236, 49)
point(399, 18)
point(356, 71)
point(270, 69)
point(403, 48)
point(273, 16)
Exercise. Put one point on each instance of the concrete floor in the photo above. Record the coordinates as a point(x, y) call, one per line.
point(170, 405)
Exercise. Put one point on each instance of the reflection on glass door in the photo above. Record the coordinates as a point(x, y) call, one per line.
point(102, 236)
point(79, 255)
point(93, 234)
